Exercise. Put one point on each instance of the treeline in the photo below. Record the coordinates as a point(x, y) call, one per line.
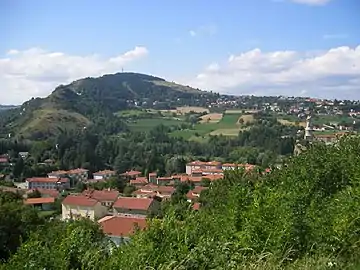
point(156, 150)
point(304, 216)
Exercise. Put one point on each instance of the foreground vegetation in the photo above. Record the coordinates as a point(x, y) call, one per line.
point(304, 216)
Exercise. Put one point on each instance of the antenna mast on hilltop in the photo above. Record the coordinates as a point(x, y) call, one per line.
point(122, 70)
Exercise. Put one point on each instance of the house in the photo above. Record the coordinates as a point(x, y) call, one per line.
point(47, 183)
point(229, 166)
point(78, 175)
point(152, 177)
point(76, 206)
point(23, 155)
point(135, 206)
point(120, 228)
point(196, 206)
point(194, 195)
point(106, 197)
point(103, 175)
point(41, 203)
point(162, 181)
point(151, 191)
point(139, 181)
point(46, 193)
point(201, 165)
point(4, 161)
point(131, 174)
point(57, 174)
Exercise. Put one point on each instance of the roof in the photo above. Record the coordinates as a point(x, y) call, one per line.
point(195, 193)
point(121, 225)
point(164, 178)
point(153, 174)
point(77, 171)
point(4, 160)
point(61, 172)
point(51, 192)
point(102, 195)
point(196, 206)
point(47, 180)
point(132, 173)
point(229, 165)
point(133, 203)
point(161, 189)
point(144, 193)
point(80, 200)
point(39, 200)
point(191, 178)
point(213, 177)
point(139, 180)
point(105, 172)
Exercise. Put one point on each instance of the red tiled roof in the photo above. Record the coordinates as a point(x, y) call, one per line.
point(132, 173)
point(213, 177)
point(164, 178)
point(196, 206)
point(195, 193)
point(144, 193)
point(77, 171)
point(51, 192)
point(80, 200)
point(4, 160)
point(105, 172)
point(102, 195)
point(153, 174)
point(229, 165)
point(121, 225)
point(196, 163)
point(133, 203)
point(47, 180)
point(212, 170)
point(139, 181)
point(61, 172)
point(39, 200)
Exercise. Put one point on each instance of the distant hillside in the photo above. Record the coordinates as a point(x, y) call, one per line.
point(93, 101)
point(7, 107)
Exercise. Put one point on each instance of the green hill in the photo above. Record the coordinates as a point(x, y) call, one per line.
point(93, 101)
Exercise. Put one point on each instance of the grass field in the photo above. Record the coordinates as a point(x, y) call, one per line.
point(150, 123)
point(291, 123)
point(246, 118)
point(187, 109)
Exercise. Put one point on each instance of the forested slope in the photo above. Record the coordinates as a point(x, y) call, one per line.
point(304, 216)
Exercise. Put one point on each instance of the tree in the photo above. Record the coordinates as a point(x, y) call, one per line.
point(35, 194)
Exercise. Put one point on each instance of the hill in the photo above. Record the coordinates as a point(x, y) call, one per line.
point(93, 102)
point(7, 107)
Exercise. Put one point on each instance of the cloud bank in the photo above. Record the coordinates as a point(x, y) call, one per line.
point(333, 74)
point(36, 72)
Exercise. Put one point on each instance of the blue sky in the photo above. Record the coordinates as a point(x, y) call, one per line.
point(187, 41)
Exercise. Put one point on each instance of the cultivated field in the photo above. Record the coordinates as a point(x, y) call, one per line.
point(241, 111)
point(291, 123)
point(246, 118)
point(187, 109)
point(211, 118)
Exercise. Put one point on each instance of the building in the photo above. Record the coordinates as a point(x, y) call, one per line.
point(78, 175)
point(135, 206)
point(120, 228)
point(103, 175)
point(106, 197)
point(47, 183)
point(77, 206)
point(151, 191)
point(194, 195)
point(46, 193)
point(41, 203)
point(23, 155)
point(139, 181)
point(57, 174)
point(308, 129)
point(131, 174)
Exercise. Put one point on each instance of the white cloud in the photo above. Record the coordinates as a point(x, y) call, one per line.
point(36, 72)
point(208, 30)
point(332, 73)
point(192, 33)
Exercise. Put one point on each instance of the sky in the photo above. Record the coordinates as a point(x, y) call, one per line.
point(239, 47)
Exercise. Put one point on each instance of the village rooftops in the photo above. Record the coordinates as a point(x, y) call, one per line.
point(45, 192)
point(47, 180)
point(33, 201)
point(79, 200)
point(132, 173)
point(133, 203)
point(122, 225)
point(102, 195)
point(58, 173)
point(77, 171)
point(105, 172)
point(139, 181)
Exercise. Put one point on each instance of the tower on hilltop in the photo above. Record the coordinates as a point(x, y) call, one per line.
point(308, 129)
